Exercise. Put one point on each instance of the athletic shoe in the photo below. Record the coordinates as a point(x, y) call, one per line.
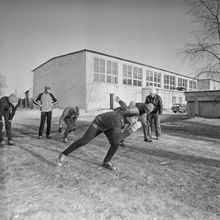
point(65, 140)
point(148, 140)
point(108, 165)
point(2, 143)
point(39, 137)
point(122, 143)
point(11, 143)
point(48, 137)
point(60, 159)
point(157, 138)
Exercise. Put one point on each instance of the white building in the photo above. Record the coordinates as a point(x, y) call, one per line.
point(208, 81)
point(91, 79)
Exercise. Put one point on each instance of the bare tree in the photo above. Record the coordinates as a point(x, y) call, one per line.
point(2, 84)
point(206, 48)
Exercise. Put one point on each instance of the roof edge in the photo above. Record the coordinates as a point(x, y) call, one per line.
point(119, 58)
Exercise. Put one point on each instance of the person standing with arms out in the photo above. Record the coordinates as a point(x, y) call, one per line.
point(8, 106)
point(46, 101)
point(154, 116)
point(109, 123)
point(69, 116)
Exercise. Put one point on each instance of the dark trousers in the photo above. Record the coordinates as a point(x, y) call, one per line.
point(154, 119)
point(7, 128)
point(145, 125)
point(43, 117)
point(90, 134)
point(70, 126)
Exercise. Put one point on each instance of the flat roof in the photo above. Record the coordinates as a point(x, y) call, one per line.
point(208, 79)
point(115, 57)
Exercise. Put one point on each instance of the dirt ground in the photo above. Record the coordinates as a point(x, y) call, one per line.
point(176, 177)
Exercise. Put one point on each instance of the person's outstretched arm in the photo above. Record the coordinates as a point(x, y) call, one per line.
point(121, 103)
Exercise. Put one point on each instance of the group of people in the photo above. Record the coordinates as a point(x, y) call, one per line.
point(117, 125)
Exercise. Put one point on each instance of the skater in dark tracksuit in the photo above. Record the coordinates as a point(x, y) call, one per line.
point(144, 109)
point(69, 116)
point(109, 123)
point(154, 116)
point(46, 101)
point(8, 106)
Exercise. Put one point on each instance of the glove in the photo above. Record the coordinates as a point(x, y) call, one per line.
point(60, 130)
point(134, 127)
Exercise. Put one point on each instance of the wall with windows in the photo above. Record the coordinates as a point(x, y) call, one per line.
point(107, 75)
point(204, 84)
point(153, 78)
point(208, 84)
point(88, 78)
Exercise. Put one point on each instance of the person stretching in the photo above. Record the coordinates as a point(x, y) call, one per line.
point(109, 123)
point(69, 116)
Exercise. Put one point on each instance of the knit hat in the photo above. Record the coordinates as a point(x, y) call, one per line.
point(47, 88)
point(131, 104)
point(149, 107)
point(13, 99)
point(153, 90)
point(132, 111)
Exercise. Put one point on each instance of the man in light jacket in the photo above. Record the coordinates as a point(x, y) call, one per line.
point(46, 100)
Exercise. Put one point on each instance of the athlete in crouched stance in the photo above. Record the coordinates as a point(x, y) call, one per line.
point(69, 117)
point(111, 124)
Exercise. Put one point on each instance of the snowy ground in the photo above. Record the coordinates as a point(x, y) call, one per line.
point(177, 177)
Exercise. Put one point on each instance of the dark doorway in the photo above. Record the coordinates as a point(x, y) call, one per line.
point(111, 101)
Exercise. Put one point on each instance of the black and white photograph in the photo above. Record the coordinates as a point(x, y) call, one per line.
point(109, 109)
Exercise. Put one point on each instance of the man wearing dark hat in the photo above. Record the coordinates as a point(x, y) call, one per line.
point(144, 110)
point(109, 123)
point(8, 106)
point(46, 100)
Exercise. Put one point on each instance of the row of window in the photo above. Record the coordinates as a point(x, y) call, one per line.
point(192, 85)
point(134, 76)
point(169, 82)
point(153, 78)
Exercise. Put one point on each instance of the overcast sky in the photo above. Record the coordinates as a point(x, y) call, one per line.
point(146, 31)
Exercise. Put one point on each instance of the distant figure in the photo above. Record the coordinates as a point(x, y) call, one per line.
point(8, 106)
point(69, 116)
point(154, 116)
point(109, 123)
point(144, 110)
point(46, 101)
